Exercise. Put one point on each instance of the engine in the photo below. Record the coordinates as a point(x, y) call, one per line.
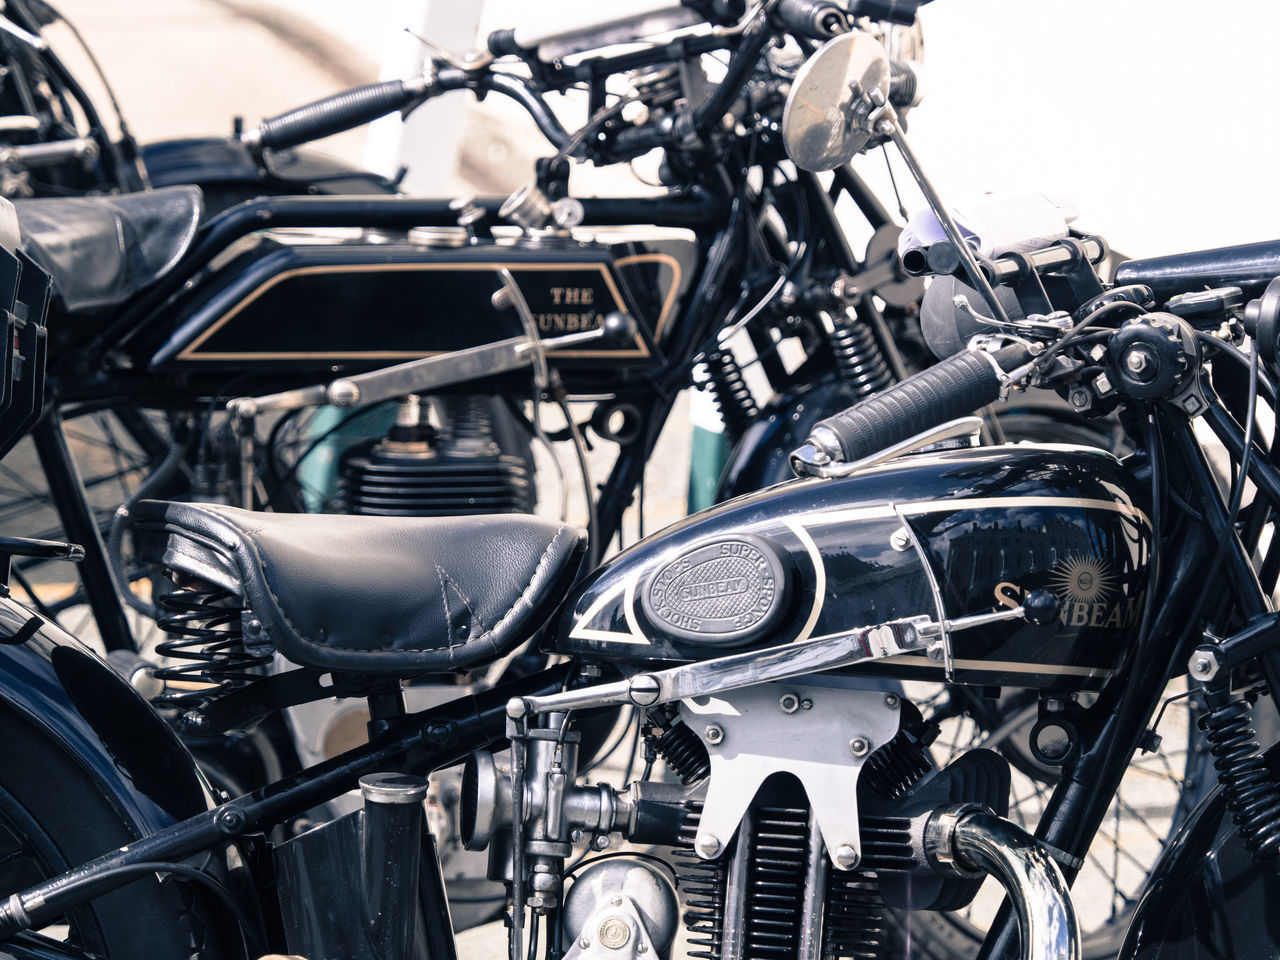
point(799, 813)
point(769, 643)
point(458, 469)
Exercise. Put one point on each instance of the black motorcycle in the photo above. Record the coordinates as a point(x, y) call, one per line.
point(763, 641)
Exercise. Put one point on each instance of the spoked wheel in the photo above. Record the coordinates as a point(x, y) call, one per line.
point(52, 817)
point(114, 449)
point(1158, 790)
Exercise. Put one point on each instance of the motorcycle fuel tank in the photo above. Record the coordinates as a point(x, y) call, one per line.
point(327, 299)
point(947, 534)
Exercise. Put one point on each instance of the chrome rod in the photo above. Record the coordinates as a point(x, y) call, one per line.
point(733, 926)
point(1036, 888)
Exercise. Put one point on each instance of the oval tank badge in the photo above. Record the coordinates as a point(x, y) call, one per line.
point(723, 591)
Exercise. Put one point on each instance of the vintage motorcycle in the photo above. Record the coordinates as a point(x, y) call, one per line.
point(757, 638)
point(180, 325)
point(229, 308)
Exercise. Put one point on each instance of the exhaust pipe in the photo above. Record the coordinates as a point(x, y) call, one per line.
point(969, 838)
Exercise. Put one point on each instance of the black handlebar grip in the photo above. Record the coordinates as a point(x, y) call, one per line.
point(895, 11)
point(342, 111)
point(953, 388)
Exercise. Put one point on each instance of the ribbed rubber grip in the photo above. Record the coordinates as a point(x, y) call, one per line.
point(342, 111)
point(953, 388)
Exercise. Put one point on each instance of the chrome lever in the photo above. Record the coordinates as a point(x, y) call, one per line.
point(783, 662)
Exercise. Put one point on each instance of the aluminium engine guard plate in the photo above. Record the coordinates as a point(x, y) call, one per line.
point(816, 744)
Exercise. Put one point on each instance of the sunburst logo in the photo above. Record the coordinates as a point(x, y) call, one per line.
point(1082, 579)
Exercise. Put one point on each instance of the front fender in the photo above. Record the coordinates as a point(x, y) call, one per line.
point(81, 707)
point(1207, 897)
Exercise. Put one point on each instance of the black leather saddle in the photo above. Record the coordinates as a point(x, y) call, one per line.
point(373, 594)
point(102, 250)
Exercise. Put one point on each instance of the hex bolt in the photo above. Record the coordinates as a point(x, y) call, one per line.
point(789, 703)
point(1203, 666)
point(891, 701)
point(714, 733)
point(846, 857)
point(1136, 361)
point(707, 846)
point(859, 746)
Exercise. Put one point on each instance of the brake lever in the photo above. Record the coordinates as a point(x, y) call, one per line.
point(1026, 326)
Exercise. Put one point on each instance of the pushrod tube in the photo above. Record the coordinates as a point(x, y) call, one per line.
point(422, 742)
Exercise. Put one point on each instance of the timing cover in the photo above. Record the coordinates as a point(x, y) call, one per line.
point(993, 523)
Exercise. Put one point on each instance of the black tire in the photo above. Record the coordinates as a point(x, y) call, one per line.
point(55, 815)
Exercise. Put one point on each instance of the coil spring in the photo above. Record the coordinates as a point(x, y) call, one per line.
point(859, 360)
point(684, 753)
point(729, 387)
point(1253, 795)
point(702, 887)
point(206, 629)
point(854, 922)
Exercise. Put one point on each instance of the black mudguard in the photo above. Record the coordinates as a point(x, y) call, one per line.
point(1208, 898)
point(81, 707)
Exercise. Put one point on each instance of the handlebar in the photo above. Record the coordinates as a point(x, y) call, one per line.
point(334, 114)
point(358, 106)
point(953, 388)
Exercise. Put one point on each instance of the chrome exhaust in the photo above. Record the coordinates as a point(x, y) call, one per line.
point(968, 838)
